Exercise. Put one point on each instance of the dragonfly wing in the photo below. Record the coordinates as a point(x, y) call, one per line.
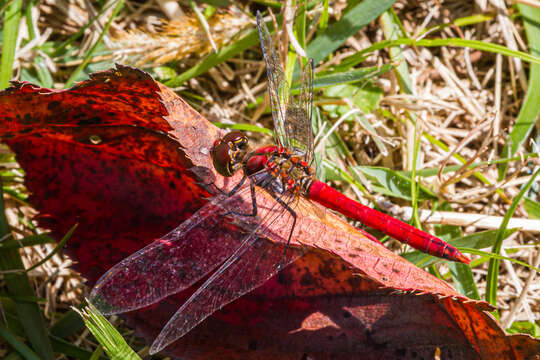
point(177, 260)
point(278, 88)
point(298, 116)
point(249, 267)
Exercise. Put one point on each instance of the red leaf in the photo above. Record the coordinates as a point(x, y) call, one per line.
point(114, 154)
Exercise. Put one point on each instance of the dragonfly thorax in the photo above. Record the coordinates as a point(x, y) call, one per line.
point(291, 171)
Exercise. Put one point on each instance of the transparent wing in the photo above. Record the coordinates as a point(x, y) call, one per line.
point(278, 88)
point(298, 116)
point(249, 267)
point(180, 258)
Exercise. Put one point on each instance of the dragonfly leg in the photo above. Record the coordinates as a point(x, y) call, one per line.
point(293, 214)
point(237, 186)
point(253, 198)
point(230, 193)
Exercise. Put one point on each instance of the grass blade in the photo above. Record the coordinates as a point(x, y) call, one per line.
point(29, 313)
point(67, 325)
point(62, 47)
point(493, 269)
point(358, 17)
point(348, 77)
point(12, 17)
point(394, 183)
point(111, 340)
point(461, 273)
point(245, 127)
point(479, 240)
point(323, 24)
point(30, 240)
point(493, 256)
point(463, 280)
point(90, 52)
point(64, 347)
point(532, 207)
point(21, 347)
point(55, 250)
point(452, 42)
point(530, 109)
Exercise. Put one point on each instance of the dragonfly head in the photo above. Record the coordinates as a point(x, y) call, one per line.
point(229, 152)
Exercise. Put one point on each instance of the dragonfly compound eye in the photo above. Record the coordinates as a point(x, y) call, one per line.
point(237, 140)
point(229, 152)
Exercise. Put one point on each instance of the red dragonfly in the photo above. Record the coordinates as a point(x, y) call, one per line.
point(289, 161)
point(241, 259)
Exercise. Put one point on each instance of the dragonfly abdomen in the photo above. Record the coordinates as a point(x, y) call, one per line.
point(418, 239)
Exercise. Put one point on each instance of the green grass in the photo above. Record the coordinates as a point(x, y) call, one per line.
point(530, 109)
point(110, 339)
point(18, 286)
point(12, 16)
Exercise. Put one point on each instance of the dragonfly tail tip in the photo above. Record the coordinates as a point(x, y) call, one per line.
point(462, 258)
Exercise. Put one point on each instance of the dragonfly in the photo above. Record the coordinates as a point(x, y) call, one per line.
point(242, 258)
